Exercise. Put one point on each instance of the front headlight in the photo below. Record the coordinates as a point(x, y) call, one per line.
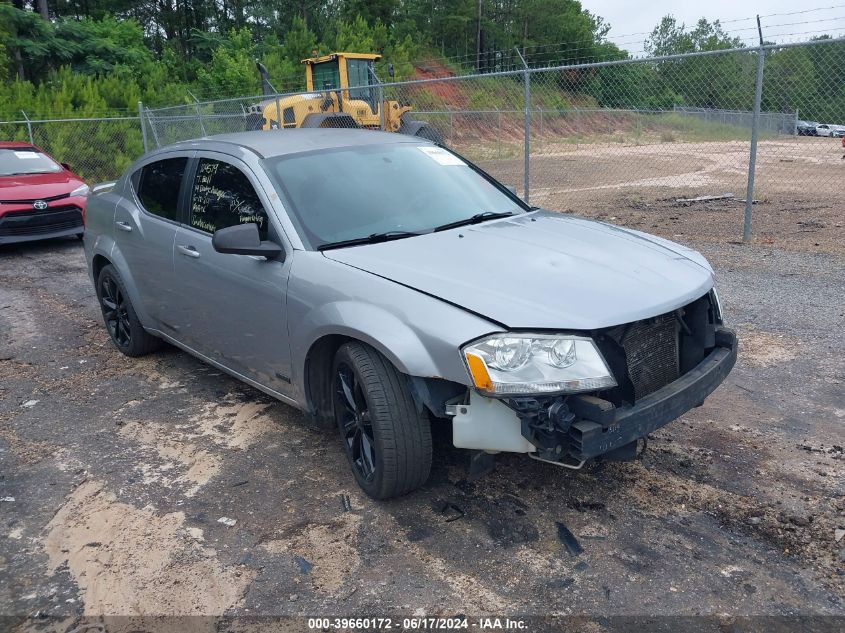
point(513, 364)
point(80, 191)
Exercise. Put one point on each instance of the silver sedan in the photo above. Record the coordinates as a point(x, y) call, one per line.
point(384, 284)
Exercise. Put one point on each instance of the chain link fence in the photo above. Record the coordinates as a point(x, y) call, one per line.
point(654, 134)
point(96, 148)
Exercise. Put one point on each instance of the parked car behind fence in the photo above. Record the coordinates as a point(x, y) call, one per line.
point(830, 130)
point(806, 128)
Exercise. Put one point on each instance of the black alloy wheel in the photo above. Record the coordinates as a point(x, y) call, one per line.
point(115, 312)
point(356, 426)
point(386, 435)
point(122, 323)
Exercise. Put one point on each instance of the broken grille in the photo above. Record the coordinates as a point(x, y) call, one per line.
point(651, 352)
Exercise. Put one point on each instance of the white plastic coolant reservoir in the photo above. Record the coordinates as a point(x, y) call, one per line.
point(488, 425)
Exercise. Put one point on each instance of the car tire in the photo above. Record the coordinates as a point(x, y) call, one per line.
point(386, 437)
point(119, 317)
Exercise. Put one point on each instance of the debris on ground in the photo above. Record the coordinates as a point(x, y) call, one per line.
point(227, 521)
point(838, 533)
point(689, 201)
point(568, 539)
point(304, 566)
point(452, 511)
point(345, 503)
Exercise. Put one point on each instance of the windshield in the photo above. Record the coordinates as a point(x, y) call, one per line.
point(26, 160)
point(351, 193)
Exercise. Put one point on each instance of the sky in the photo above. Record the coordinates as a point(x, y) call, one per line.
point(782, 20)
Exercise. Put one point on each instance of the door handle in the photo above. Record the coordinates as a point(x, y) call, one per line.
point(188, 251)
point(124, 226)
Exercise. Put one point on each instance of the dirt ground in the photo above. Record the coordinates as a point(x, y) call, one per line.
point(799, 203)
point(115, 473)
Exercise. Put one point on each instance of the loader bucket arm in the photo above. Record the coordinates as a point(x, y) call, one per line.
point(267, 88)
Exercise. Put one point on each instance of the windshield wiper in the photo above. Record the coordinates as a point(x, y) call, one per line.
point(373, 238)
point(478, 217)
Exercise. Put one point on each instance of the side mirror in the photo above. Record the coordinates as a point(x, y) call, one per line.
point(243, 239)
point(390, 70)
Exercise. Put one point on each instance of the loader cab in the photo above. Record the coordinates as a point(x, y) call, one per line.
point(350, 73)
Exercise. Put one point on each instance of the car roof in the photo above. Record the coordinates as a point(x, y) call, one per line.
point(16, 144)
point(272, 143)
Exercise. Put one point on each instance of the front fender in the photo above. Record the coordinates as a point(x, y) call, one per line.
point(376, 327)
point(420, 334)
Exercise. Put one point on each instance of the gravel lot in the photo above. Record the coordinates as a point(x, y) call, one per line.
point(798, 205)
point(116, 471)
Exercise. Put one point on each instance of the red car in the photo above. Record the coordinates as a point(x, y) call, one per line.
point(39, 197)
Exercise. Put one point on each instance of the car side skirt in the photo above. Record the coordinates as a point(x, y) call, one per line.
point(252, 383)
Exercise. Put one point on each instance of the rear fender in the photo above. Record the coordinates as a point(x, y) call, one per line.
point(117, 260)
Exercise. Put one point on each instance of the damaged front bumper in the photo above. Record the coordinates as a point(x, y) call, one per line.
point(570, 430)
point(616, 428)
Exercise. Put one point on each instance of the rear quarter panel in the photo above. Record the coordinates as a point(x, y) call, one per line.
point(99, 240)
point(99, 226)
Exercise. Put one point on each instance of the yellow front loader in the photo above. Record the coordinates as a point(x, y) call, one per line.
point(343, 92)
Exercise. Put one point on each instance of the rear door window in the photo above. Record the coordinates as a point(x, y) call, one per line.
point(222, 196)
point(157, 186)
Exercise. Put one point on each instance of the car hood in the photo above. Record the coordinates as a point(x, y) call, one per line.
point(542, 270)
point(37, 186)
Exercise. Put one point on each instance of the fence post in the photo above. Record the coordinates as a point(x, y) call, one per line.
point(28, 127)
point(152, 127)
point(755, 123)
point(199, 112)
point(527, 125)
point(381, 117)
point(143, 127)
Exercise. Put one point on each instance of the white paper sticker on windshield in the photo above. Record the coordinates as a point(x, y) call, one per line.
point(26, 154)
point(441, 155)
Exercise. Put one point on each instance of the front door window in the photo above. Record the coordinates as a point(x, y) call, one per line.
point(223, 196)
